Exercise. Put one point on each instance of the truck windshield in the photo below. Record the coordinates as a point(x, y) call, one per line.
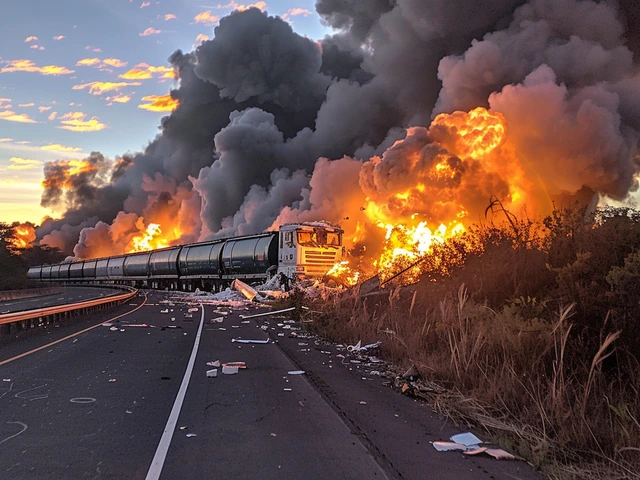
point(319, 238)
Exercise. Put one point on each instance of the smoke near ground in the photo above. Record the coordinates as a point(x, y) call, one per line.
point(377, 122)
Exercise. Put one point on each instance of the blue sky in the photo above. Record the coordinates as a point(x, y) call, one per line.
point(73, 75)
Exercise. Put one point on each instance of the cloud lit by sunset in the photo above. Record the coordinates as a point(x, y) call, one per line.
point(81, 77)
point(30, 66)
point(75, 122)
point(158, 103)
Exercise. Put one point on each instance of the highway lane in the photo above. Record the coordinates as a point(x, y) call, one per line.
point(96, 406)
point(70, 294)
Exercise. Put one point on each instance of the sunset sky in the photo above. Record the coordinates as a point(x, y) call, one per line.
point(92, 75)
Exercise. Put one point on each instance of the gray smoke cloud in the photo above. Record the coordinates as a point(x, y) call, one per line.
point(274, 127)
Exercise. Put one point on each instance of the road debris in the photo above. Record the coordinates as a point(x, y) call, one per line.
point(275, 312)
point(468, 439)
point(189, 435)
point(229, 370)
point(249, 292)
point(241, 340)
point(496, 453)
point(359, 348)
point(212, 373)
point(449, 446)
point(114, 329)
point(296, 372)
point(235, 364)
point(214, 364)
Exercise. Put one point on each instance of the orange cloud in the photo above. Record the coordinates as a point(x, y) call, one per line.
point(29, 66)
point(98, 88)
point(120, 98)
point(10, 116)
point(114, 62)
point(36, 47)
point(25, 105)
point(145, 4)
point(52, 116)
point(43, 109)
point(169, 16)
point(101, 64)
point(201, 38)
point(294, 12)
point(32, 38)
point(159, 103)
point(149, 31)
point(6, 139)
point(87, 62)
point(206, 18)
point(75, 122)
point(5, 103)
point(236, 6)
point(18, 163)
point(60, 148)
point(144, 71)
point(59, 37)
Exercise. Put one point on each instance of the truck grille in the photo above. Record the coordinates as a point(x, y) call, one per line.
point(319, 262)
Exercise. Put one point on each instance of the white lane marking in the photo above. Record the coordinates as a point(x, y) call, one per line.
point(24, 427)
point(163, 447)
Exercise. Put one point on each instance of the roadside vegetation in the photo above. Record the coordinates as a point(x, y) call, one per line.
point(533, 330)
point(14, 261)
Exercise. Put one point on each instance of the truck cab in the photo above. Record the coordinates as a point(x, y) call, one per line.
point(309, 249)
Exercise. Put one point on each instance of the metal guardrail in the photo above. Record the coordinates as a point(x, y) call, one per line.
point(48, 311)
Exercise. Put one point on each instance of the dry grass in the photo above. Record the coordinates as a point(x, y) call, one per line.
point(529, 382)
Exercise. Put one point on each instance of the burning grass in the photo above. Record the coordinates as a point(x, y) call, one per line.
point(532, 329)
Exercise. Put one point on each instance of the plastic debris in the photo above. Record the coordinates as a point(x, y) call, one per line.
point(275, 312)
point(235, 364)
point(468, 439)
point(448, 446)
point(244, 289)
point(287, 389)
point(212, 373)
point(359, 348)
point(296, 372)
point(166, 310)
point(111, 380)
point(241, 340)
point(191, 435)
point(217, 320)
point(363, 403)
point(214, 364)
point(114, 329)
point(229, 370)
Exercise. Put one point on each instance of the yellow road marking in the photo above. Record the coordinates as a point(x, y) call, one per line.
point(4, 362)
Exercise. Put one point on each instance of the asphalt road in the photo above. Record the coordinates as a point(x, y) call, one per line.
point(107, 403)
point(69, 295)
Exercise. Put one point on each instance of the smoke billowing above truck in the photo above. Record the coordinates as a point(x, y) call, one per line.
point(412, 115)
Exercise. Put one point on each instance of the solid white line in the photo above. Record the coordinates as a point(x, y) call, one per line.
point(163, 447)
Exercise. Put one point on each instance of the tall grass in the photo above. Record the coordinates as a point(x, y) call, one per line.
point(518, 349)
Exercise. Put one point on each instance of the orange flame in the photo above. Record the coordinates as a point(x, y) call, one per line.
point(150, 239)
point(23, 236)
point(430, 203)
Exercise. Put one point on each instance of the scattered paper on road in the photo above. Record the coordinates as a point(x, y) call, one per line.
point(241, 340)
